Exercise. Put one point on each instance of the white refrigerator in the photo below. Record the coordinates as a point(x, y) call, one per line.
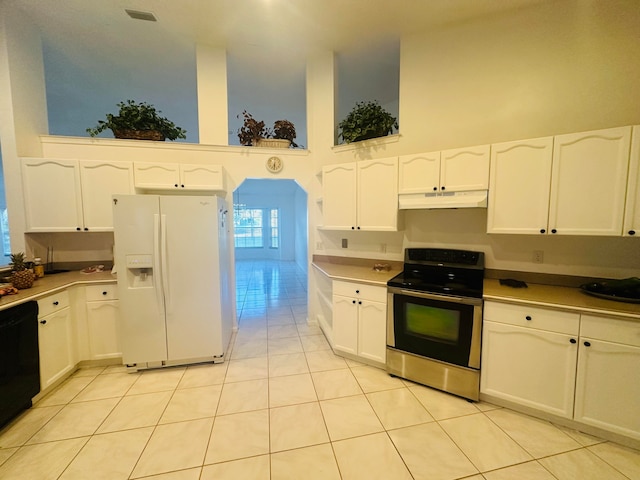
point(174, 279)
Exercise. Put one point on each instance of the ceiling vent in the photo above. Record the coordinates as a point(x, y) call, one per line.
point(137, 15)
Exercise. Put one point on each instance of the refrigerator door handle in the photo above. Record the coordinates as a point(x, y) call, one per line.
point(165, 262)
point(156, 257)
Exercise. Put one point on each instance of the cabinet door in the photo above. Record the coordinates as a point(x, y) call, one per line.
point(520, 180)
point(102, 322)
point(372, 331)
point(101, 180)
point(345, 324)
point(339, 196)
point(588, 182)
point(155, 176)
point(52, 195)
point(419, 173)
point(464, 169)
point(529, 367)
point(608, 386)
point(201, 177)
point(632, 206)
point(377, 204)
point(56, 347)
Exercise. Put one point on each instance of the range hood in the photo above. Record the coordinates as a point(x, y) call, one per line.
point(471, 199)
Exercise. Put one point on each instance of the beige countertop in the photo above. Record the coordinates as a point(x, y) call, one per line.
point(53, 283)
point(357, 270)
point(566, 298)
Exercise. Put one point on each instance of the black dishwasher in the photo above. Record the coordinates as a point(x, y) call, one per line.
point(19, 359)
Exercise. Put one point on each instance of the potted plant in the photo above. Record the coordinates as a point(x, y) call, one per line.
point(138, 121)
point(255, 133)
point(366, 120)
point(21, 277)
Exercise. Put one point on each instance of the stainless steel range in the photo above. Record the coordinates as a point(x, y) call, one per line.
point(434, 321)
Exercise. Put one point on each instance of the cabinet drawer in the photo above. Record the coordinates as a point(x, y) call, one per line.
point(533, 317)
point(626, 332)
point(53, 303)
point(366, 292)
point(101, 292)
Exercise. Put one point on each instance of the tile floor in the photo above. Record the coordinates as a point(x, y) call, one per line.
point(285, 407)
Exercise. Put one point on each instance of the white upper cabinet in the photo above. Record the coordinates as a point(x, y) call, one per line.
point(419, 173)
point(464, 169)
point(361, 195)
point(100, 181)
point(377, 187)
point(519, 186)
point(339, 196)
point(457, 170)
point(52, 195)
point(171, 176)
point(71, 195)
point(632, 208)
point(588, 182)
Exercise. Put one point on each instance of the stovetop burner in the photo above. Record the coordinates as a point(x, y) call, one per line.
point(444, 271)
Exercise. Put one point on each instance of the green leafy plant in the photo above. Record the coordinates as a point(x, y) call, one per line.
point(252, 131)
point(138, 117)
point(366, 120)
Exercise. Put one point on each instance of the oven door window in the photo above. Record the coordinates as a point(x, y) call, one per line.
point(432, 328)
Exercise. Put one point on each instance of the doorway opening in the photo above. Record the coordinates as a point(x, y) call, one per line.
point(271, 249)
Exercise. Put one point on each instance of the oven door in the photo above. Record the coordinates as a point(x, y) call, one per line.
point(435, 326)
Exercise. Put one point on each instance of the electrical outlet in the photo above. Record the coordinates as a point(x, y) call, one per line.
point(345, 243)
point(538, 256)
point(383, 248)
point(319, 246)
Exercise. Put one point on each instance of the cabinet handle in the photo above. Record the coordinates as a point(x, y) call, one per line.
point(553, 230)
point(442, 187)
point(78, 229)
point(573, 340)
point(86, 229)
point(359, 303)
point(55, 303)
point(104, 293)
point(528, 317)
point(632, 232)
point(175, 185)
point(587, 344)
point(43, 322)
point(353, 228)
point(358, 227)
point(357, 291)
point(435, 189)
point(542, 230)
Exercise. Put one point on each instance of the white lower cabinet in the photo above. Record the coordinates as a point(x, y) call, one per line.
point(360, 321)
point(102, 322)
point(580, 367)
point(608, 376)
point(55, 338)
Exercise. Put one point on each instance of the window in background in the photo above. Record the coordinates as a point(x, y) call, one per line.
point(256, 227)
point(5, 245)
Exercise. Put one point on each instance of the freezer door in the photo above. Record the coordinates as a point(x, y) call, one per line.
point(142, 331)
point(191, 264)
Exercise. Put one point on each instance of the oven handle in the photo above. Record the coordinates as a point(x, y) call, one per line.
point(435, 296)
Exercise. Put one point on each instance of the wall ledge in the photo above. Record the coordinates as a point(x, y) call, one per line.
point(372, 143)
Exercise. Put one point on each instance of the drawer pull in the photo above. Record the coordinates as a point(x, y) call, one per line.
point(56, 303)
point(357, 291)
point(528, 317)
point(104, 293)
point(43, 322)
point(587, 344)
point(573, 340)
point(353, 301)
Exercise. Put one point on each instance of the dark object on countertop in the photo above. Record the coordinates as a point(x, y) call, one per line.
point(624, 290)
point(510, 282)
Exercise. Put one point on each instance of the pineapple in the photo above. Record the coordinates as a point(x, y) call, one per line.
point(21, 277)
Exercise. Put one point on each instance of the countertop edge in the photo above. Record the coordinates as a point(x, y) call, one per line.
point(354, 273)
point(54, 284)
